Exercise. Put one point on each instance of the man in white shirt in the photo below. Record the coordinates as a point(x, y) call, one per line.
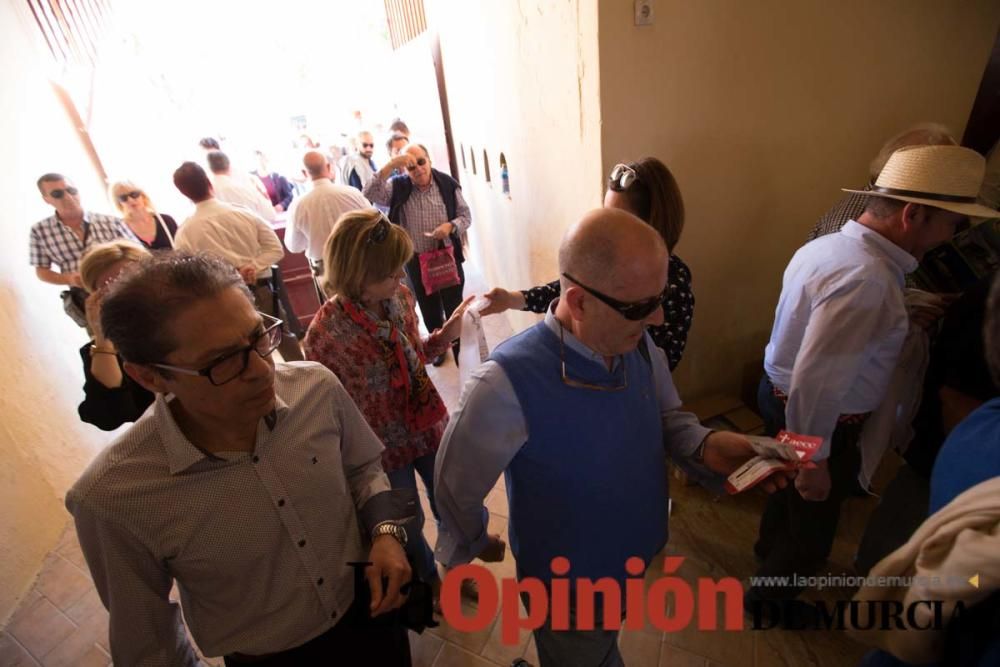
point(838, 330)
point(313, 215)
point(232, 191)
point(237, 235)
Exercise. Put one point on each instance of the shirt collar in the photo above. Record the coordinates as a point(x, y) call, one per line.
point(322, 181)
point(571, 341)
point(205, 203)
point(901, 259)
point(182, 453)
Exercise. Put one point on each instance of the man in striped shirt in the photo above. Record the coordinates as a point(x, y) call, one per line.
point(64, 237)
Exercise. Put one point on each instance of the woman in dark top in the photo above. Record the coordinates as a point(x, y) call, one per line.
point(647, 189)
point(111, 398)
point(154, 230)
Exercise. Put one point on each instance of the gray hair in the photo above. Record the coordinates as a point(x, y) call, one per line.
point(139, 308)
point(921, 134)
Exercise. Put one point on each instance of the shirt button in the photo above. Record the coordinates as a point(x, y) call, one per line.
point(302, 543)
point(256, 459)
point(319, 582)
point(281, 502)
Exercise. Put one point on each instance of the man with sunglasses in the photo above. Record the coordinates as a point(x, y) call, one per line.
point(252, 485)
point(579, 412)
point(429, 205)
point(65, 236)
point(358, 169)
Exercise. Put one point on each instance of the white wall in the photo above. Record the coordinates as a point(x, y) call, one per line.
point(43, 446)
point(523, 80)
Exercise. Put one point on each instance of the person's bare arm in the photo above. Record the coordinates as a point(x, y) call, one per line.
point(57, 278)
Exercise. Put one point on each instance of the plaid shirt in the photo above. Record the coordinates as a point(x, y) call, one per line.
point(52, 242)
point(423, 212)
point(850, 207)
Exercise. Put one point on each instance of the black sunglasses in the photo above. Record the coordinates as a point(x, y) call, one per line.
point(621, 177)
point(380, 231)
point(230, 366)
point(135, 194)
point(638, 310)
point(368, 145)
point(420, 162)
point(58, 193)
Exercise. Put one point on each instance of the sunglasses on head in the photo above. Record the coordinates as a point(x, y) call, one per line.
point(363, 145)
point(635, 311)
point(420, 162)
point(58, 193)
point(621, 177)
point(135, 194)
point(380, 231)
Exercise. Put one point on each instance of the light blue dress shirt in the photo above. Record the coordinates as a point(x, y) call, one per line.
point(489, 429)
point(838, 329)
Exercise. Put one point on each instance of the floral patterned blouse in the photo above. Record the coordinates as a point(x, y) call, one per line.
point(678, 309)
point(363, 365)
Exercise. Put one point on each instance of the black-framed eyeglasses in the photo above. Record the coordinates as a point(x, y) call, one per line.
point(621, 177)
point(59, 193)
point(579, 384)
point(635, 311)
point(420, 162)
point(124, 197)
point(380, 231)
point(231, 365)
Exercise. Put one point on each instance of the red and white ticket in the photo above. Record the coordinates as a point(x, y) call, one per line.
point(786, 451)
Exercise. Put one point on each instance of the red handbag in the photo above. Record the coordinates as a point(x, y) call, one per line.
point(438, 268)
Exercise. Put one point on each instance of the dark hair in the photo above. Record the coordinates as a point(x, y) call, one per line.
point(192, 181)
point(991, 330)
point(399, 127)
point(209, 142)
point(883, 207)
point(655, 197)
point(394, 138)
point(218, 161)
point(48, 178)
point(140, 306)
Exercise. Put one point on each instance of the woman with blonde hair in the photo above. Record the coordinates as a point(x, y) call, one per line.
point(111, 398)
point(154, 230)
point(366, 333)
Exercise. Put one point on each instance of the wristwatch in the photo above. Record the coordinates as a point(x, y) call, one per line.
point(390, 528)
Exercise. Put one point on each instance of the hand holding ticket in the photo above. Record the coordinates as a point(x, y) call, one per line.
point(786, 451)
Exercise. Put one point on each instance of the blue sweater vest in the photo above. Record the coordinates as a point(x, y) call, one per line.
point(590, 483)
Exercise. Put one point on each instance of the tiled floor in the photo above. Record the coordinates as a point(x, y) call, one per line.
point(62, 622)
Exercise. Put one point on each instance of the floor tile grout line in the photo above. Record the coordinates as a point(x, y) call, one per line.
point(23, 647)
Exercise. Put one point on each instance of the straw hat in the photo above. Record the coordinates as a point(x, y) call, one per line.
point(946, 177)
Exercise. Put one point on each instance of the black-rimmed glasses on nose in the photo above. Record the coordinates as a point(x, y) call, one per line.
point(621, 177)
point(380, 231)
point(420, 162)
point(231, 365)
point(635, 311)
point(59, 193)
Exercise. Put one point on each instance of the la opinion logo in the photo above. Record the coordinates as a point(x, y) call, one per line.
point(649, 604)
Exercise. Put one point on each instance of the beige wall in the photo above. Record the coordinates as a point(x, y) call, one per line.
point(763, 110)
point(43, 447)
point(522, 80)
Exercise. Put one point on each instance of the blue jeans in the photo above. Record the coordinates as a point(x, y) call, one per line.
point(417, 549)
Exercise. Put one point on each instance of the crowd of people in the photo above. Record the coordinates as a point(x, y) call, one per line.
point(281, 497)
